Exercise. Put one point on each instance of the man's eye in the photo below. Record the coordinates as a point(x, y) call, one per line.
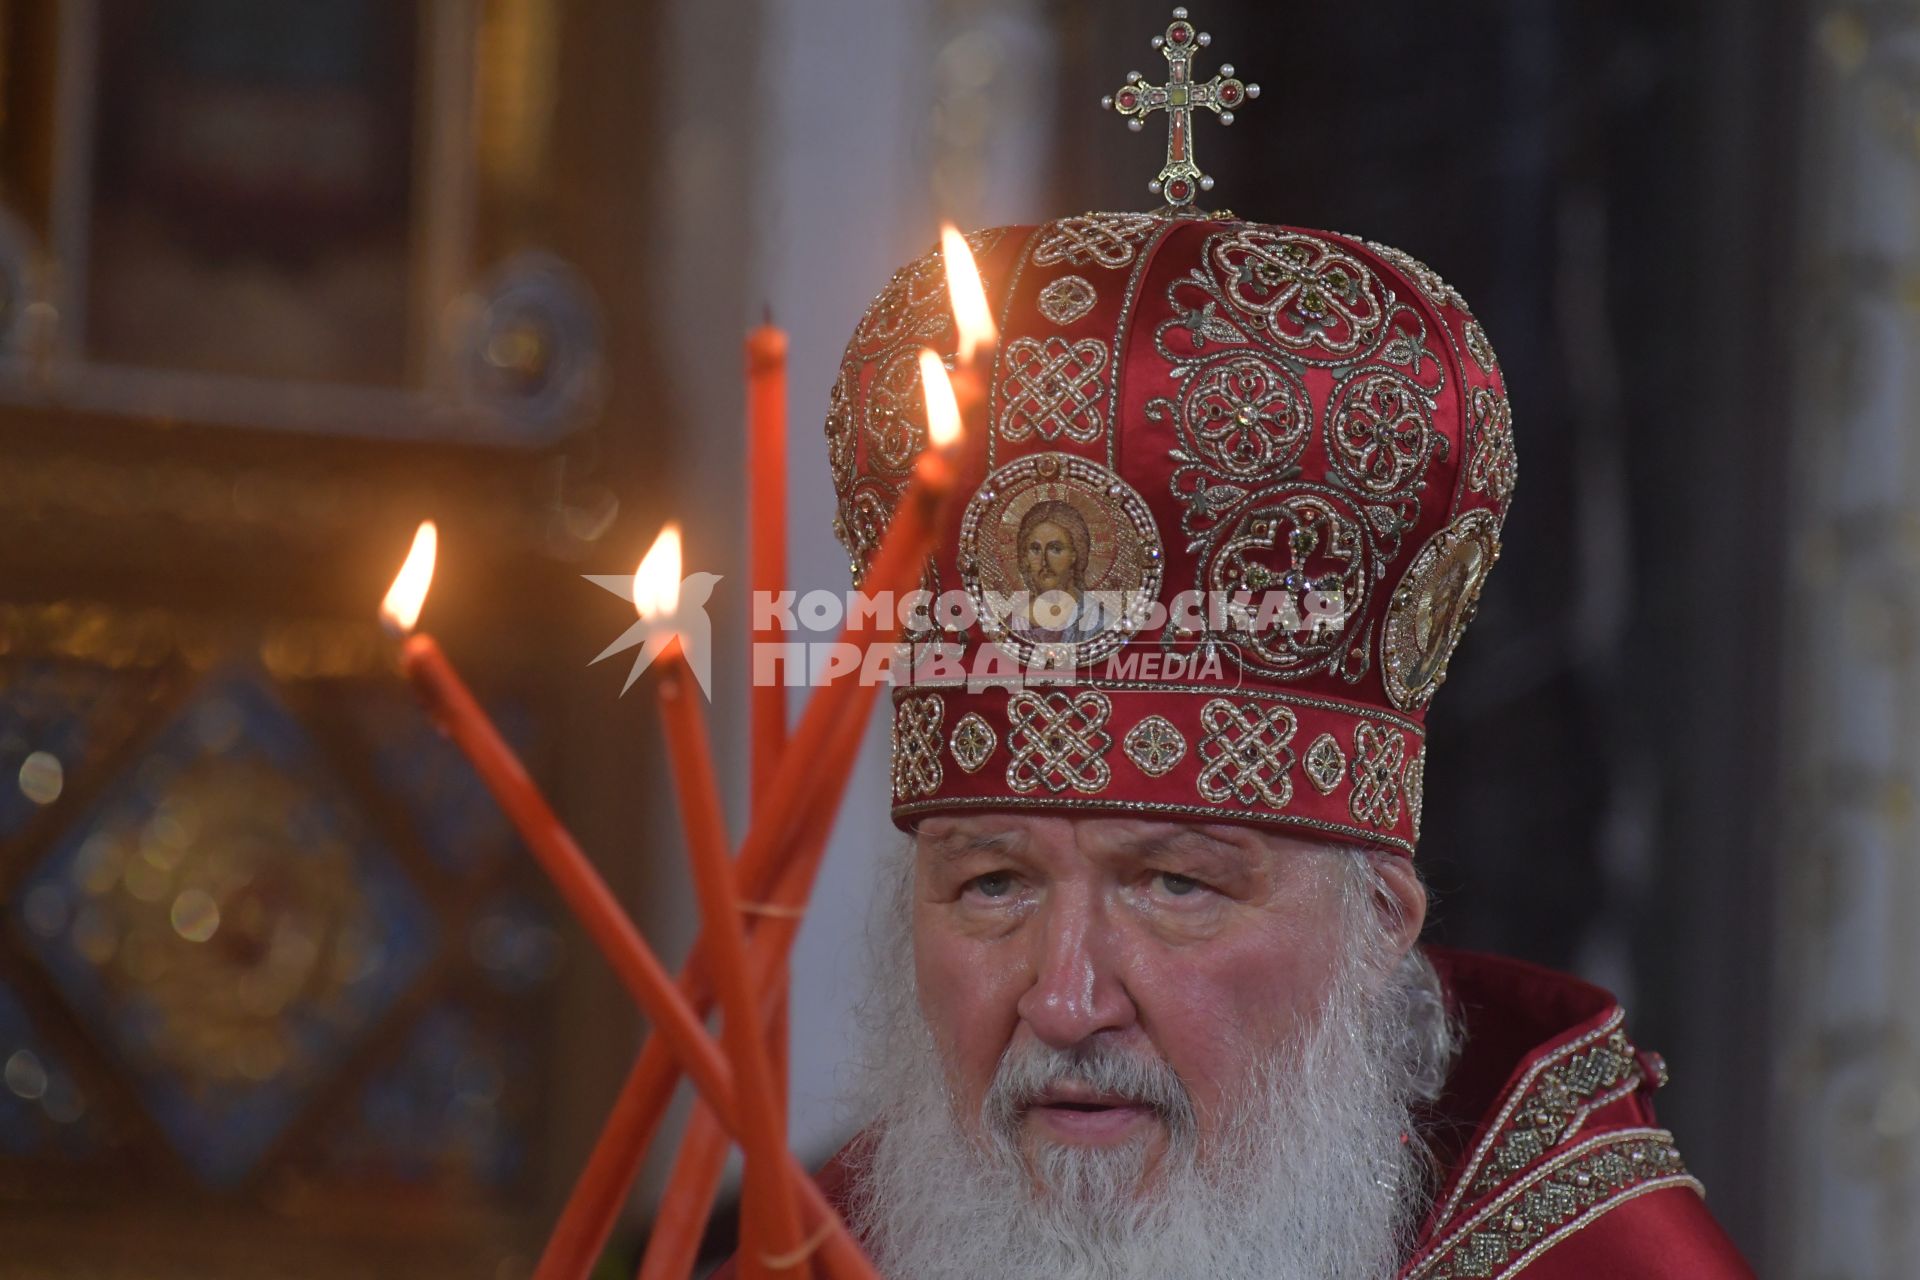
point(995, 884)
point(1179, 886)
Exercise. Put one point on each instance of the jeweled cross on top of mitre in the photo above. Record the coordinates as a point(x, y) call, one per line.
point(1180, 180)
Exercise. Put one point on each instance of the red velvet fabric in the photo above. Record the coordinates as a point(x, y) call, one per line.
point(1343, 416)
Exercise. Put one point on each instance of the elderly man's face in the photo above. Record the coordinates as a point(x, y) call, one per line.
point(1205, 947)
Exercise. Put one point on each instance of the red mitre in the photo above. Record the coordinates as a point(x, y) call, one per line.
point(1295, 443)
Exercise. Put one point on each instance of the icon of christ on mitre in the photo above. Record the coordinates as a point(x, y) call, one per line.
point(1151, 1000)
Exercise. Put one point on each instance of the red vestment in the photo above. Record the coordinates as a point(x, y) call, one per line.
point(1556, 1169)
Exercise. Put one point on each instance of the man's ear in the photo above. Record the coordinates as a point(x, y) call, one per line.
point(1403, 904)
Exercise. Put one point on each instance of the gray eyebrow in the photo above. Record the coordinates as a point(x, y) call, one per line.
point(1193, 841)
point(957, 845)
point(1184, 836)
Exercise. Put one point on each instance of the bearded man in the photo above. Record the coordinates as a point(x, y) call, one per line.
point(1150, 997)
point(1121, 1047)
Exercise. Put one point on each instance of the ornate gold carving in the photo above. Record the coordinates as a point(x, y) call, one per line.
point(1433, 604)
point(1379, 757)
point(1053, 388)
point(973, 740)
point(916, 746)
point(1155, 745)
point(1059, 741)
point(120, 638)
point(1247, 753)
point(1067, 299)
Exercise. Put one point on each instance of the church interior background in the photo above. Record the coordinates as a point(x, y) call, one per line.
point(280, 994)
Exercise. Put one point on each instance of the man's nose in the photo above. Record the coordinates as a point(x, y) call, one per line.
point(1077, 988)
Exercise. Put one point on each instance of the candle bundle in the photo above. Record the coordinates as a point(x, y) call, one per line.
point(751, 906)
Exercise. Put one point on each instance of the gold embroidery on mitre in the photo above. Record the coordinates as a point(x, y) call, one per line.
point(1245, 413)
point(1325, 764)
point(916, 746)
point(1433, 604)
point(1053, 388)
point(862, 522)
point(1155, 745)
point(896, 413)
point(1058, 741)
point(1416, 788)
point(1493, 466)
point(1067, 299)
point(1380, 435)
point(914, 307)
point(1310, 545)
point(842, 438)
point(1108, 239)
point(1247, 753)
point(876, 399)
point(1379, 758)
point(1308, 294)
point(1437, 291)
point(1480, 349)
point(973, 741)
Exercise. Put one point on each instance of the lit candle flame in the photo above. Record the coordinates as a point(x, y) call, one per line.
point(656, 583)
point(970, 311)
point(401, 609)
point(943, 411)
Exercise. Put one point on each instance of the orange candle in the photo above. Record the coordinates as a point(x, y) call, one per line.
point(687, 1204)
point(678, 1027)
point(595, 1202)
point(835, 716)
point(695, 1181)
point(770, 1226)
point(814, 769)
point(454, 708)
point(766, 351)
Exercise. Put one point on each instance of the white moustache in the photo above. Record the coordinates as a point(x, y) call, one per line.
point(1029, 1072)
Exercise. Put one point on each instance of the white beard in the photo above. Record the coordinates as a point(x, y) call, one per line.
point(1320, 1174)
